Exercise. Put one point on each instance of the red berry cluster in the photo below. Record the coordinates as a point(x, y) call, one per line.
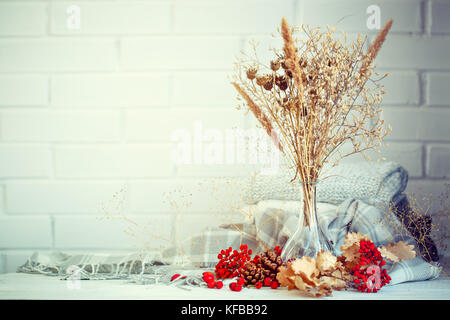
point(208, 277)
point(267, 283)
point(370, 256)
point(232, 261)
point(237, 286)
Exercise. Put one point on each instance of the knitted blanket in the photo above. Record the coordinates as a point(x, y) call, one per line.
point(376, 184)
point(354, 199)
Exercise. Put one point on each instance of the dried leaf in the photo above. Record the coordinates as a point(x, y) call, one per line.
point(305, 265)
point(299, 283)
point(285, 277)
point(352, 238)
point(398, 252)
point(325, 261)
point(334, 283)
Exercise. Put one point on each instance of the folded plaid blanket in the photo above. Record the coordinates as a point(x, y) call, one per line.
point(354, 199)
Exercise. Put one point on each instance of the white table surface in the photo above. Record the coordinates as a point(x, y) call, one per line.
point(29, 286)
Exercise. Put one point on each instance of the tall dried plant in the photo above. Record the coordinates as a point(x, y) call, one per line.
point(312, 98)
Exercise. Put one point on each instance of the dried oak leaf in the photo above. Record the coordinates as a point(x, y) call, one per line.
point(306, 268)
point(350, 249)
point(333, 283)
point(398, 252)
point(352, 238)
point(286, 276)
point(325, 261)
point(301, 285)
point(316, 290)
point(351, 256)
point(342, 273)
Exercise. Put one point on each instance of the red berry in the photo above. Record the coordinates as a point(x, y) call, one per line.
point(232, 286)
point(258, 285)
point(274, 285)
point(211, 284)
point(267, 282)
point(237, 288)
point(174, 276)
point(208, 278)
point(240, 281)
point(219, 284)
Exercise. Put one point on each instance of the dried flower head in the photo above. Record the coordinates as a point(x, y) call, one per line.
point(275, 65)
point(251, 73)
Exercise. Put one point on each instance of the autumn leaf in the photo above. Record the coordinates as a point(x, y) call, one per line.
point(325, 261)
point(353, 238)
point(305, 265)
point(306, 268)
point(398, 252)
point(334, 283)
point(285, 277)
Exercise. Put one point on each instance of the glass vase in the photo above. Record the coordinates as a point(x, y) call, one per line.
point(308, 238)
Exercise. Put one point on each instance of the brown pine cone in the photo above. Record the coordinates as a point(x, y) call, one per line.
point(270, 264)
point(252, 273)
point(260, 268)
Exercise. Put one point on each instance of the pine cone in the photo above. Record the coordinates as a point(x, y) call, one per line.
point(270, 264)
point(252, 272)
point(262, 267)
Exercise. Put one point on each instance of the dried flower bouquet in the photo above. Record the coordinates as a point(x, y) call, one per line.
point(311, 100)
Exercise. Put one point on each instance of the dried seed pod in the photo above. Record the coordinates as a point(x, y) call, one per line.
point(268, 85)
point(283, 85)
point(275, 65)
point(260, 81)
point(251, 73)
point(281, 82)
point(263, 80)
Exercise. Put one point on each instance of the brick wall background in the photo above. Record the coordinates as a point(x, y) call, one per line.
point(87, 112)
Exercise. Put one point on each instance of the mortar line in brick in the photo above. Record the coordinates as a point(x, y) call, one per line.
point(49, 90)
point(118, 49)
point(48, 12)
point(427, 16)
point(3, 198)
point(172, 17)
point(52, 230)
point(423, 89)
point(424, 159)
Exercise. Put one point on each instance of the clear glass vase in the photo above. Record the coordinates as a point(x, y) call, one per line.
point(308, 238)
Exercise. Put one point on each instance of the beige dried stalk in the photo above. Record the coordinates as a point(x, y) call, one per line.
point(314, 95)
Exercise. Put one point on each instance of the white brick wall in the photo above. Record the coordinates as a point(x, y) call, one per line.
point(87, 112)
